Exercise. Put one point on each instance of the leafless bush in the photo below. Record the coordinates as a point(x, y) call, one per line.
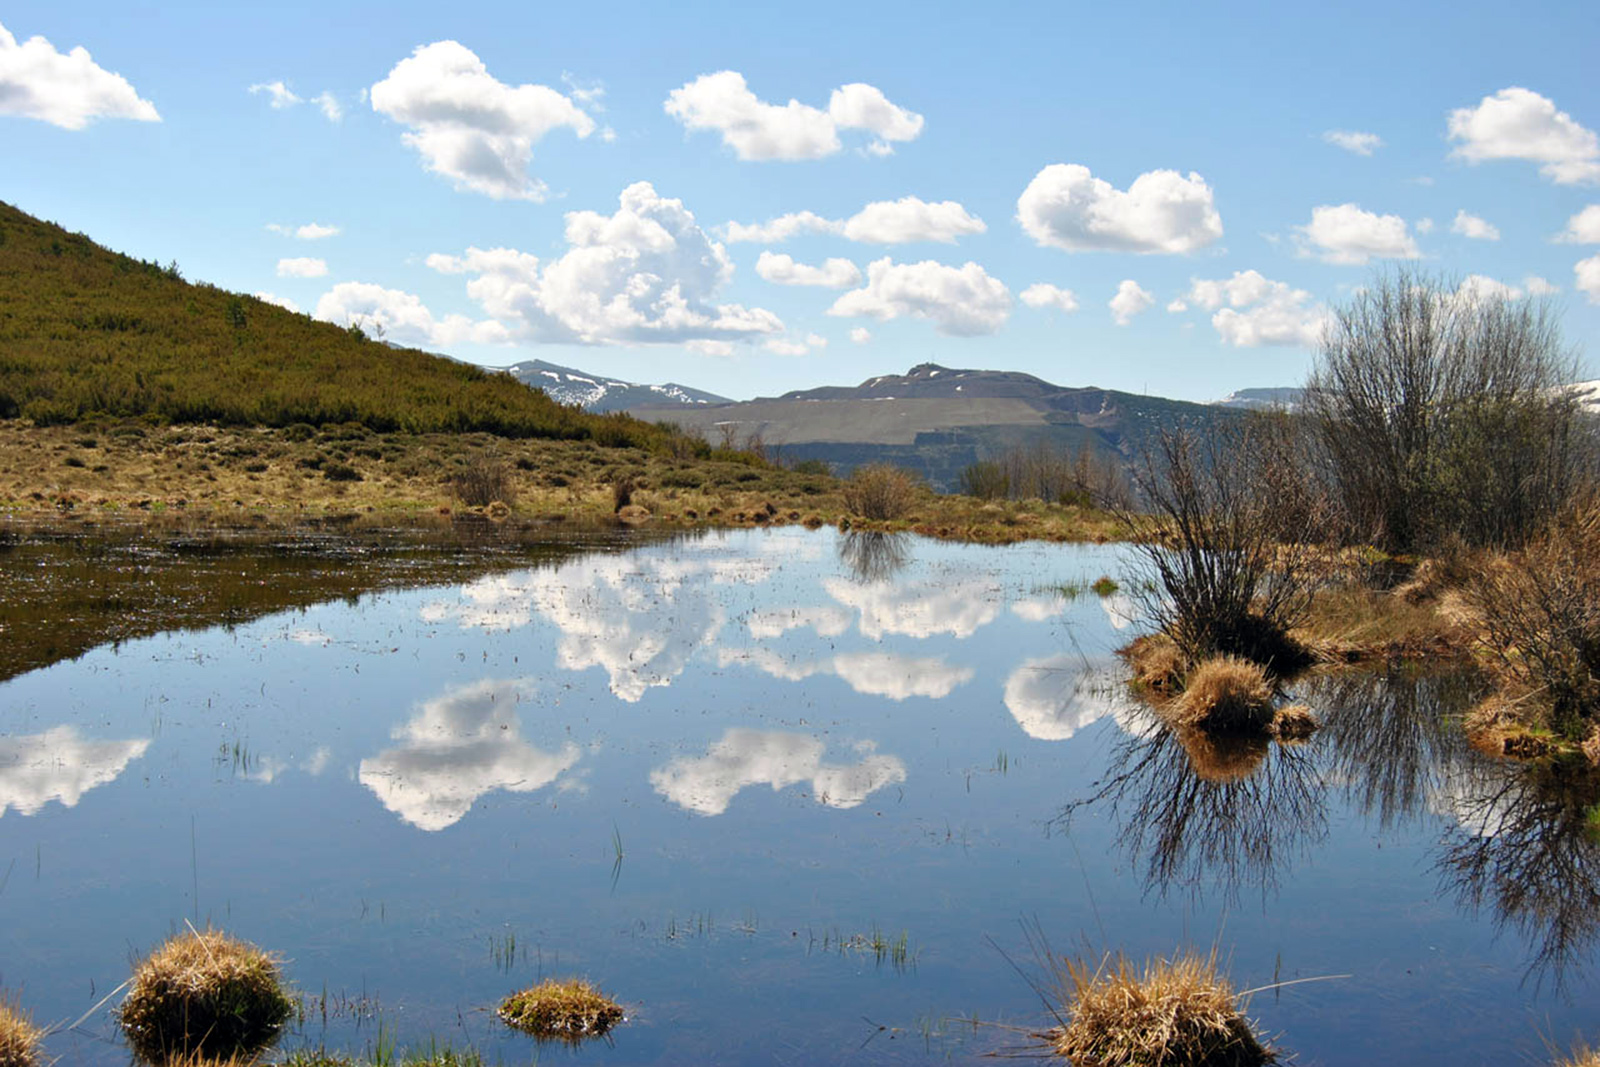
point(1047, 471)
point(482, 481)
point(879, 491)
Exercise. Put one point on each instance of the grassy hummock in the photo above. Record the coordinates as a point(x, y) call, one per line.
point(204, 993)
point(568, 1010)
point(19, 1038)
point(1225, 694)
point(1177, 1012)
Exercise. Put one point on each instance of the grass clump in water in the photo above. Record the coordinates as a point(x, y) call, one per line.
point(1225, 694)
point(1174, 1012)
point(570, 1010)
point(19, 1038)
point(204, 993)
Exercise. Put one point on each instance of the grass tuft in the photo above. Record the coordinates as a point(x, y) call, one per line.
point(1225, 694)
point(1173, 1012)
point(569, 1011)
point(207, 994)
point(880, 491)
point(1294, 723)
point(19, 1038)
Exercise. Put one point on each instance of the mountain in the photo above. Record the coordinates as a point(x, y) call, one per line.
point(937, 420)
point(1274, 398)
point(597, 393)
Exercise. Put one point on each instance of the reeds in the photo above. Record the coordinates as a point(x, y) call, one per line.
point(568, 1011)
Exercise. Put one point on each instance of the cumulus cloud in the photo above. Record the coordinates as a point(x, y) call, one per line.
point(1424, 225)
point(1362, 144)
point(1586, 278)
point(781, 269)
point(302, 267)
point(1044, 295)
point(1468, 225)
point(282, 301)
point(860, 335)
point(279, 95)
point(742, 758)
point(1065, 206)
point(1517, 123)
point(402, 316)
point(1131, 299)
point(68, 90)
point(1259, 311)
point(1346, 234)
point(470, 127)
point(1475, 288)
point(960, 301)
point(909, 219)
point(1582, 228)
point(646, 274)
point(784, 347)
point(757, 130)
point(456, 748)
point(1537, 286)
point(782, 228)
point(311, 231)
point(58, 765)
point(1054, 697)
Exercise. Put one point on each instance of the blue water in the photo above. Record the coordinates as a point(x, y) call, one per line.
point(795, 741)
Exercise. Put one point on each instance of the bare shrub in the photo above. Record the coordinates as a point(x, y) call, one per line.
point(986, 480)
point(481, 481)
point(622, 492)
point(880, 491)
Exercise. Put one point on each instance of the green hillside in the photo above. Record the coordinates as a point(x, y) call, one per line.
point(87, 332)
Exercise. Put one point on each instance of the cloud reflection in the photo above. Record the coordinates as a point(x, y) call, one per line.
point(1054, 697)
point(742, 758)
point(883, 674)
point(58, 765)
point(919, 610)
point(459, 746)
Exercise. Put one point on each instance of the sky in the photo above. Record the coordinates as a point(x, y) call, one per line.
point(1164, 199)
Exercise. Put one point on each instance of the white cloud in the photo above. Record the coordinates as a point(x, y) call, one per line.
point(893, 222)
point(1586, 278)
point(1475, 288)
point(1424, 225)
point(456, 748)
point(1537, 286)
point(961, 301)
point(702, 347)
point(281, 301)
point(1065, 206)
point(1260, 311)
point(58, 765)
point(403, 317)
point(1178, 304)
point(311, 231)
point(743, 758)
point(757, 130)
point(329, 104)
point(1583, 228)
point(302, 267)
point(782, 228)
point(1346, 234)
point(784, 347)
point(646, 274)
point(1129, 301)
point(1362, 144)
point(470, 127)
point(67, 90)
point(1044, 295)
point(782, 269)
point(1054, 697)
point(860, 335)
point(279, 95)
point(1472, 226)
point(1517, 123)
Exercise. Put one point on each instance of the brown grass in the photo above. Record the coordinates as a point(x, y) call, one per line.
point(1223, 758)
point(19, 1038)
point(1582, 1056)
point(880, 491)
point(1225, 694)
point(1157, 664)
point(1173, 1012)
point(569, 1011)
point(204, 993)
point(1294, 723)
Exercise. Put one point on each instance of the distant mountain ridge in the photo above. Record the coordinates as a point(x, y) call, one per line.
point(1289, 397)
point(600, 394)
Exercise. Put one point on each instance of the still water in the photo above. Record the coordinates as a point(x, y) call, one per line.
point(790, 796)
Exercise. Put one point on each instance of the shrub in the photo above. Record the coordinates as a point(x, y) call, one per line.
point(481, 480)
point(340, 472)
point(563, 1011)
point(205, 993)
point(812, 467)
point(622, 494)
point(19, 1038)
point(986, 480)
point(879, 491)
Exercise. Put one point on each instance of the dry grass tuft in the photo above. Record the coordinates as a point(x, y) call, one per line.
point(1582, 1056)
point(207, 994)
point(567, 1011)
point(1157, 664)
point(1225, 694)
point(19, 1038)
point(1223, 758)
point(879, 491)
point(1174, 1012)
point(1294, 723)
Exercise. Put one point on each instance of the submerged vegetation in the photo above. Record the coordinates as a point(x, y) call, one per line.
point(570, 1011)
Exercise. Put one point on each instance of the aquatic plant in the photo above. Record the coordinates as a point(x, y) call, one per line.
point(569, 1011)
point(19, 1038)
point(204, 993)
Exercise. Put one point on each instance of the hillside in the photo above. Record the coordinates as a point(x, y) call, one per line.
point(598, 393)
point(85, 331)
point(938, 420)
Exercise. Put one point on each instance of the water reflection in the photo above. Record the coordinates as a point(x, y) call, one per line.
point(459, 746)
point(1198, 811)
point(707, 784)
point(58, 765)
point(884, 674)
point(919, 609)
point(873, 556)
point(1054, 697)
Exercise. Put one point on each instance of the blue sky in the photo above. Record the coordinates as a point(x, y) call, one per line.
point(1149, 198)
